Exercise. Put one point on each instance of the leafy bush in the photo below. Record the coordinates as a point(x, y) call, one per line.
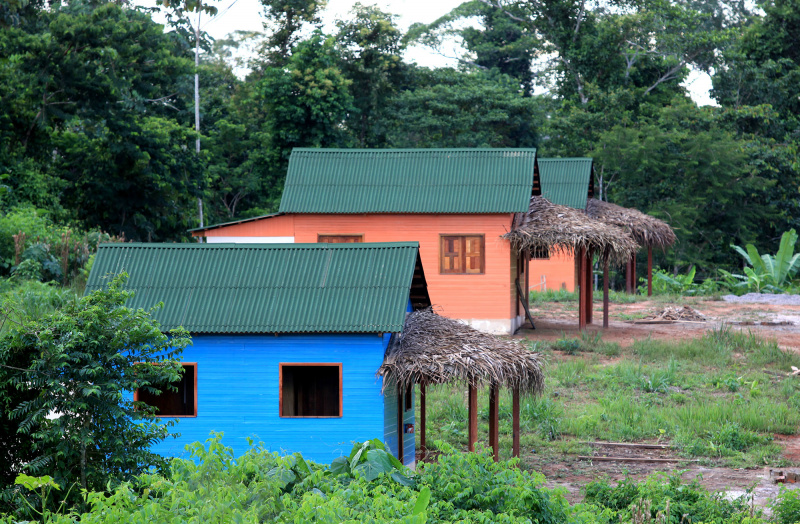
point(260, 486)
point(786, 507)
point(669, 495)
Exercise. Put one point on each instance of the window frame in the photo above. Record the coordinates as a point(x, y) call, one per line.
point(194, 391)
point(463, 236)
point(352, 235)
point(281, 365)
point(408, 399)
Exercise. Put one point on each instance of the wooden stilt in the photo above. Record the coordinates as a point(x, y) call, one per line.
point(472, 434)
point(494, 421)
point(649, 271)
point(400, 428)
point(605, 292)
point(515, 421)
point(422, 402)
point(582, 289)
point(589, 288)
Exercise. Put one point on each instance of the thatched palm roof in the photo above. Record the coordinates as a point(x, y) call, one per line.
point(646, 230)
point(565, 229)
point(437, 350)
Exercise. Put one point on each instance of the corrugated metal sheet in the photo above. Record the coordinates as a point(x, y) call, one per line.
point(266, 288)
point(408, 181)
point(565, 181)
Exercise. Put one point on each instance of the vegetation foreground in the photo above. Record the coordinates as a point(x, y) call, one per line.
point(371, 486)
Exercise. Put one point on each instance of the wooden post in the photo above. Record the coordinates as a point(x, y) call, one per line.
point(649, 271)
point(515, 421)
point(589, 288)
point(582, 289)
point(605, 292)
point(400, 428)
point(494, 421)
point(630, 276)
point(422, 445)
point(472, 434)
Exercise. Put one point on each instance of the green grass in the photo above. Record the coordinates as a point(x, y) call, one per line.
point(708, 397)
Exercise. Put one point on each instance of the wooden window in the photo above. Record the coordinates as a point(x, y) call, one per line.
point(180, 403)
point(340, 239)
point(461, 255)
point(409, 398)
point(310, 390)
point(540, 253)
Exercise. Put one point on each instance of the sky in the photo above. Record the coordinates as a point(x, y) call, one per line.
point(245, 15)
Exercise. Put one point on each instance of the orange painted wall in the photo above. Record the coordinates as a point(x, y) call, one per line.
point(483, 296)
point(558, 271)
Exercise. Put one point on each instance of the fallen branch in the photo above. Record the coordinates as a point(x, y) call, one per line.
point(629, 445)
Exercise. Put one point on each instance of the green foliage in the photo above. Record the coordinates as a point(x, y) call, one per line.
point(267, 487)
point(767, 272)
point(669, 495)
point(66, 377)
point(786, 507)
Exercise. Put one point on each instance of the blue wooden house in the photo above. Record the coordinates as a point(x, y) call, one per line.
point(287, 339)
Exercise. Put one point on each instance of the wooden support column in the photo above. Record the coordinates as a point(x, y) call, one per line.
point(422, 401)
point(494, 421)
point(605, 292)
point(630, 276)
point(581, 289)
point(472, 434)
point(649, 271)
point(589, 288)
point(515, 421)
point(400, 428)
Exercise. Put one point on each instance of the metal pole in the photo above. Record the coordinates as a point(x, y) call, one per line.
point(197, 101)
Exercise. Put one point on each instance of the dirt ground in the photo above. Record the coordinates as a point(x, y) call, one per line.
point(557, 320)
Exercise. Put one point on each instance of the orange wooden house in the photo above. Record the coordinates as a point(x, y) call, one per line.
point(566, 182)
point(455, 202)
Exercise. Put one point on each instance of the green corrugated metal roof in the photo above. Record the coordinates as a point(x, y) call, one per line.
point(565, 181)
point(408, 181)
point(266, 288)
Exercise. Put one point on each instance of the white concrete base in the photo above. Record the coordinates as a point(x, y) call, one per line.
point(500, 326)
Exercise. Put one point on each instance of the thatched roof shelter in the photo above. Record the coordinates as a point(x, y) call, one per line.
point(437, 350)
point(648, 231)
point(567, 230)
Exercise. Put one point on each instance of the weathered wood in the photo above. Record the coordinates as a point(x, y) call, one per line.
point(581, 261)
point(494, 421)
point(629, 445)
point(649, 271)
point(632, 459)
point(589, 288)
point(515, 422)
point(400, 428)
point(422, 417)
point(472, 434)
point(605, 293)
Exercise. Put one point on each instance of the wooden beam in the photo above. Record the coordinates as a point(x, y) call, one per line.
point(649, 271)
point(515, 421)
point(422, 403)
point(400, 428)
point(605, 292)
point(494, 421)
point(472, 433)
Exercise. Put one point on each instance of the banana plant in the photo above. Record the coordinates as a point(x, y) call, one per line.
point(770, 272)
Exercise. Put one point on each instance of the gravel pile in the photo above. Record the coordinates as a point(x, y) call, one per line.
point(763, 298)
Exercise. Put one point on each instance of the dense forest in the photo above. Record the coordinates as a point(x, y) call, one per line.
point(97, 114)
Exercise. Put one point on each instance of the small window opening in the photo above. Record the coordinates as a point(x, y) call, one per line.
point(311, 390)
point(540, 253)
point(409, 400)
point(180, 403)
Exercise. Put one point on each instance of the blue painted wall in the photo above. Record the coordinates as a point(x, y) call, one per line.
point(390, 425)
point(237, 383)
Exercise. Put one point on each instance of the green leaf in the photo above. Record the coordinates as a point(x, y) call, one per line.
point(340, 466)
point(403, 480)
point(423, 499)
point(33, 483)
point(377, 463)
